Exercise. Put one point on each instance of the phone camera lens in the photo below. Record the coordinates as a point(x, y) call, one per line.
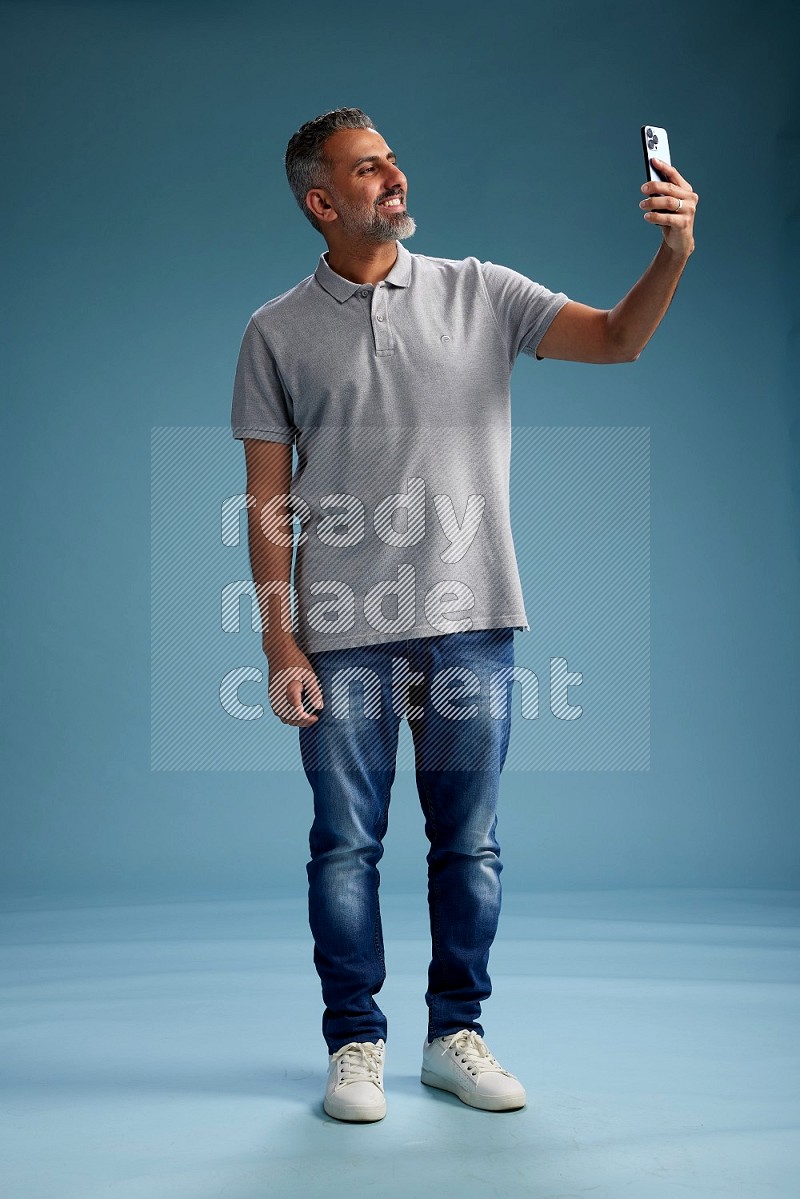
point(649, 132)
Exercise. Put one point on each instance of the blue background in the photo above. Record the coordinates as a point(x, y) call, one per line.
point(147, 214)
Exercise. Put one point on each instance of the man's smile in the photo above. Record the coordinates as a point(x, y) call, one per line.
point(392, 202)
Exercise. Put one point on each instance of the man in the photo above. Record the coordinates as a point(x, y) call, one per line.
point(390, 372)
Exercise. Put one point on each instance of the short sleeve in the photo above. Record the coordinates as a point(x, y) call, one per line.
point(522, 308)
point(261, 407)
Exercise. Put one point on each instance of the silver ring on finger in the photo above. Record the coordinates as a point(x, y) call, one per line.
point(680, 205)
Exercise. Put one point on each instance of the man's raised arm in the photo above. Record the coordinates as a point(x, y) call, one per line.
point(579, 333)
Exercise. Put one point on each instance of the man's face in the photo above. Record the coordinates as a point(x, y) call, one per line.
point(364, 176)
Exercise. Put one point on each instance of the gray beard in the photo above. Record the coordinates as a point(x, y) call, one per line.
point(378, 227)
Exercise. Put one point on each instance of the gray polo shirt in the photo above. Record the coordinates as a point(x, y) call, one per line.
point(397, 398)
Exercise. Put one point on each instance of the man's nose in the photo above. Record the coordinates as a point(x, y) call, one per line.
point(396, 179)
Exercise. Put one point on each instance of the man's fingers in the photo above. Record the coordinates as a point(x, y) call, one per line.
point(657, 187)
point(295, 694)
point(285, 695)
point(672, 173)
point(671, 198)
point(314, 691)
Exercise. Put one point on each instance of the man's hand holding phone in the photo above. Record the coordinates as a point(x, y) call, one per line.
point(671, 203)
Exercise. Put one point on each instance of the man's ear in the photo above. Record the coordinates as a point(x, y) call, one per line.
point(322, 209)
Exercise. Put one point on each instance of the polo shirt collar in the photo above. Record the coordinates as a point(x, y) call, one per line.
point(342, 289)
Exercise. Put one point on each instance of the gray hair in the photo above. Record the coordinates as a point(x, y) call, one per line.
point(305, 161)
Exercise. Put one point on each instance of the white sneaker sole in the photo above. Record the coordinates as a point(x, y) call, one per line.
point(487, 1103)
point(356, 1113)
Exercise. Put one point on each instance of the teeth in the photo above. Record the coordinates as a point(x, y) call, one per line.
point(395, 201)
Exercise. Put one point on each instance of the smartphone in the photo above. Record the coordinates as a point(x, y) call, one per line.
point(655, 141)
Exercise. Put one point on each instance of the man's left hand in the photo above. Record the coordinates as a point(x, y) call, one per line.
point(677, 221)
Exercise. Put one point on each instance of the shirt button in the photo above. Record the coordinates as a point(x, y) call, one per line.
point(380, 318)
point(445, 337)
point(365, 292)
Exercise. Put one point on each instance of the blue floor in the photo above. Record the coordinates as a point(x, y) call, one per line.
point(175, 1051)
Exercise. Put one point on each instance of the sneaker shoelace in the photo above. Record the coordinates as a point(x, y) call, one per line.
point(470, 1047)
point(359, 1062)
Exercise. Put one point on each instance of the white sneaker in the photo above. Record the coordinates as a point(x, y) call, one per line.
point(355, 1082)
point(461, 1063)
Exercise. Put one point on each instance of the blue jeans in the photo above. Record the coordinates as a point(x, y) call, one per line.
point(349, 757)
